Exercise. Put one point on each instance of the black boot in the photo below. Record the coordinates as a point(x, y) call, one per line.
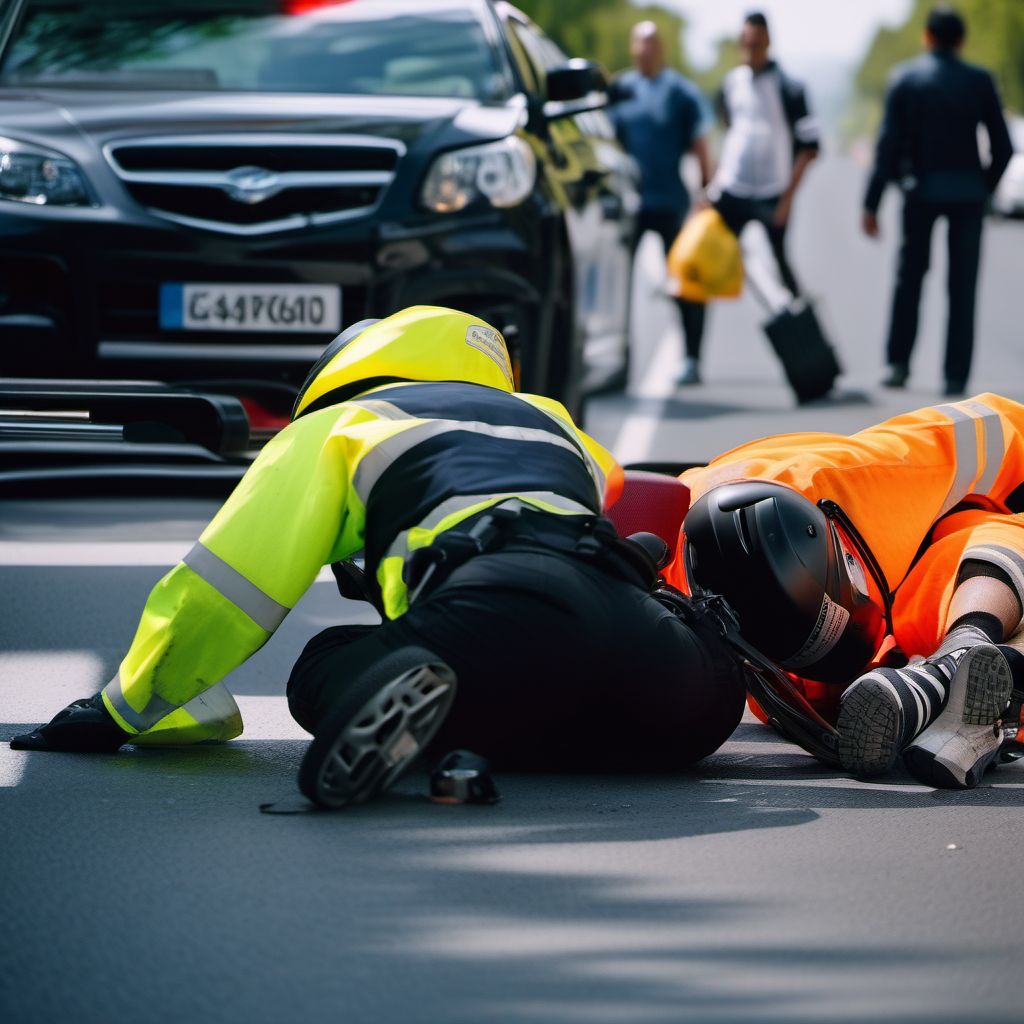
point(84, 726)
point(375, 727)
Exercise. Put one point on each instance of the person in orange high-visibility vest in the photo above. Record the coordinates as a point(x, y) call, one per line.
point(829, 546)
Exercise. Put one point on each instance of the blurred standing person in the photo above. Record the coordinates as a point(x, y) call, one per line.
point(929, 143)
point(659, 117)
point(770, 139)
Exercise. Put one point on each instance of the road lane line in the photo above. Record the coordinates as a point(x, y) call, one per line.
point(827, 783)
point(636, 435)
point(93, 553)
point(102, 554)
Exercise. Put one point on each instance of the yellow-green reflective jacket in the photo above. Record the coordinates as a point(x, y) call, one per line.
point(385, 473)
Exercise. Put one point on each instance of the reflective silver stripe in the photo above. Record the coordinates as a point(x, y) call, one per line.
point(155, 709)
point(1010, 561)
point(995, 445)
point(400, 545)
point(966, 454)
point(920, 700)
point(213, 705)
point(260, 607)
point(375, 462)
point(592, 464)
point(379, 407)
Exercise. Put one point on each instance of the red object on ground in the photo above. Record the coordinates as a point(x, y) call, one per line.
point(651, 503)
point(260, 417)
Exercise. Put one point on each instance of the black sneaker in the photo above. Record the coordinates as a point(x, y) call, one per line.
point(882, 711)
point(954, 751)
point(375, 730)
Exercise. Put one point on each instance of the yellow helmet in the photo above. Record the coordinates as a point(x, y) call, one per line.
point(421, 343)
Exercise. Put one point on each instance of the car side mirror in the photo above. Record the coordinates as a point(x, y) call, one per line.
point(619, 91)
point(575, 87)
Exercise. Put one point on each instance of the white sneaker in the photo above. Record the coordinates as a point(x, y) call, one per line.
point(954, 751)
point(690, 373)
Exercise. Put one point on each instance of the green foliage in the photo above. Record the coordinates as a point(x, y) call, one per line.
point(728, 57)
point(995, 40)
point(599, 29)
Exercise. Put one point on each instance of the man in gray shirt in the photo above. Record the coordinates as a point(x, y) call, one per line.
point(770, 140)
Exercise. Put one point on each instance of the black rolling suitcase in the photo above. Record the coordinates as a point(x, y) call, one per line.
point(807, 358)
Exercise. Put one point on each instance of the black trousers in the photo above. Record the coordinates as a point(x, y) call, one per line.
point(738, 212)
point(560, 665)
point(667, 223)
point(965, 220)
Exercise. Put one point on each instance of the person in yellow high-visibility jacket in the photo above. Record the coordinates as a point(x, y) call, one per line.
point(478, 514)
point(827, 544)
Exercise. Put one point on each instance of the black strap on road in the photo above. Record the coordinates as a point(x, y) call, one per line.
point(787, 709)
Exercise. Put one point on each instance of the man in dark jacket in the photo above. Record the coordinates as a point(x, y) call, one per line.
point(929, 144)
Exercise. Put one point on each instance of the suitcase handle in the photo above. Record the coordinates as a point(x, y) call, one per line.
point(753, 270)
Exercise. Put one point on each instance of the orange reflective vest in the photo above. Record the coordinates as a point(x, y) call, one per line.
point(927, 490)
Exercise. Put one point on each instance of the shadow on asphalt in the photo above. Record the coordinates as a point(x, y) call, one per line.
point(402, 910)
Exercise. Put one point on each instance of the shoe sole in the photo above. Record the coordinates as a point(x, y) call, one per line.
point(936, 757)
point(359, 751)
point(870, 724)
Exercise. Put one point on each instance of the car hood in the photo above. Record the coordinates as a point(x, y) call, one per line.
point(50, 115)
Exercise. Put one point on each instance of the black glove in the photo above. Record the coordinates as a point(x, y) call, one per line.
point(712, 621)
point(84, 726)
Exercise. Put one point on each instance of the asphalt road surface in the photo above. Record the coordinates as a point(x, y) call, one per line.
point(146, 886)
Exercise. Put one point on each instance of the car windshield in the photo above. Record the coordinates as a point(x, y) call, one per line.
point(363, 47)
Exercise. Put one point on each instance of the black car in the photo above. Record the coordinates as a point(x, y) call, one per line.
point(210, 191)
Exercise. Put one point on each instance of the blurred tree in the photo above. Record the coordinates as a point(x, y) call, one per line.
point(995, 40)
point(599, 29)
point(727, 57)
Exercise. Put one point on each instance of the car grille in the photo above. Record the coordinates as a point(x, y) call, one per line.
point(256, 185)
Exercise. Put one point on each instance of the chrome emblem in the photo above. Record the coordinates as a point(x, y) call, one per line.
point(251, 185)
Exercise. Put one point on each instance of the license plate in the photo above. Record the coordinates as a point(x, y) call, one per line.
point(277, 308)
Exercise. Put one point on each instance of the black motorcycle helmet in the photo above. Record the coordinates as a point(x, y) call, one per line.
point(781, 562)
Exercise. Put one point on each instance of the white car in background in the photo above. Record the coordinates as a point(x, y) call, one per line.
point(1008, 199)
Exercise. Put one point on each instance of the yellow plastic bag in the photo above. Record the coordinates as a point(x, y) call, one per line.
point(705, 260)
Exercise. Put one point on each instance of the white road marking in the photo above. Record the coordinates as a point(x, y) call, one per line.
point(842, 783)
point(93, 553)
point(636, 435)
point(268, 718)
point(102, 554)
point(34, 686)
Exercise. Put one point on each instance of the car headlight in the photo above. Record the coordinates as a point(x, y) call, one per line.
point(40, 177)
point(503, 172)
